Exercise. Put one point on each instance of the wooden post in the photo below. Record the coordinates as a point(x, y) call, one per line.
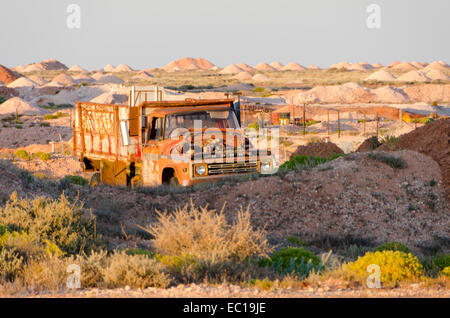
point(339, 124)
point(304, 119)
point(378, 124)
point(328, 122)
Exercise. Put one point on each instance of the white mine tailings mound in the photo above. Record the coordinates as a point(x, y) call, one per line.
point(243, 76)
point(292, 67)
point(261, 78)
point(231, 69)
point(123, 68)
point(109, 68)
point(110, 98)
point(22, 82)
point(264, 67)
point(245, 67)
point(437, 74)
point(404, 66)
point(436, 65)
point(38, 80)
point(381, 76)
point(276, 65)
point(16, 104)
point(110, 79)
point(413, 76)
point(77, 68)
point(143, 76)
point(189, 63)
point(389, 94)
point(64, 79)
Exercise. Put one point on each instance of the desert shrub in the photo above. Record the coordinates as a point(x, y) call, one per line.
point(47, 274)
point(75, 180)
point(302, 162)
point(58, 221)
point(206, 235)
point(42, 155)
point(92, 267)
point(2, 99)
point(395, 266)
point(390, 141)
point(295, 241)
point(136, 271)
point(446, 271)
point(10, 264)
point(392, 161)
point(44, 125)
point(441, 261)
point(22, 154)
point(258, 89)
point(23, 244)
point(139, 251)
point(293, 261)
point(393, 246)
point(374, 143)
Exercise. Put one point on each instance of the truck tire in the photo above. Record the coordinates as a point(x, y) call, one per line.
point(95, 180)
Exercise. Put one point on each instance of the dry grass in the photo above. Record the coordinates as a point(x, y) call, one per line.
point(206, 235)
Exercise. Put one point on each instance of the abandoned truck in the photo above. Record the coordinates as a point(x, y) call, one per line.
point(140, 144)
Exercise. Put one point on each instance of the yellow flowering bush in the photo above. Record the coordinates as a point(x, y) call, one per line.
point(395, 266)
point(446, 271)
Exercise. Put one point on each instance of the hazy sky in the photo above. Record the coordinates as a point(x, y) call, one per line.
point(149, 33)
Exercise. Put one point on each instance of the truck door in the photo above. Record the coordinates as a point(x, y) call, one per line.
point(152, 150)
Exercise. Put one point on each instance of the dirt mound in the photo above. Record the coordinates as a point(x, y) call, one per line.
point(231, 69)
point(431, 140)
point(7, 76)
point(428, 93)
point(64, 79)
point(38, 80)
point(243, 76)
point(77, 68)
point(437, 74)
point(22, 82)
point(318, 149)
point(264, 67)
point(110, 99)
point(245, 67)
point(389, 94)
point(110, 79)
point(82, 77)
point(413, 76)
point(276, 65)
point(188, 63)
point(436, 65)
point(341, 65)
point(123, 68)
point(46, 65)
point(381, 76)
point(109, 68)
point(369, 144)
point(292, 67)
point(347, 93)
point(404, 66)
point(261, 78)
point(313, 67)
point(16, 104)
point(143, 76)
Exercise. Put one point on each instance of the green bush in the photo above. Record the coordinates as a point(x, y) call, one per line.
point(395, 266)
point(253, 126)
point(42, 155)
point(10, 265)
point(75, 180)
point(22, 154)
point(392, 161)
point(258, 89)
point(302, 162)
point(295, 241)
point(441, 261)
point(136, 271)
point(58, 221)
point(295, 260)
point(393, 246)
point(139, 251)
point(446, 271)
point(2, 99)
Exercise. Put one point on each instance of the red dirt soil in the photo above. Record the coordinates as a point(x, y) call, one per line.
point(432, 140)
point(318, 149)
point(7, 76)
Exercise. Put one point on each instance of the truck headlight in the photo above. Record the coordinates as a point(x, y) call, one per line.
point(200, 170)
point(266, 167)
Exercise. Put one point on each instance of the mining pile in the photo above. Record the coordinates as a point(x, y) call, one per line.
point(318, 149)
point(432, 140)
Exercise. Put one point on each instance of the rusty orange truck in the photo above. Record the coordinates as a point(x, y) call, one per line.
point(148, 143)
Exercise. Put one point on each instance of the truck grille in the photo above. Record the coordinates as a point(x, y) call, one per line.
point(230, 168)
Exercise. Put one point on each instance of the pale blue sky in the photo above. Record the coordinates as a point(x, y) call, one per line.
point(149, 33)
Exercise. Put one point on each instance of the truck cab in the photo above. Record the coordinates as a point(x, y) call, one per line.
point(165, 142)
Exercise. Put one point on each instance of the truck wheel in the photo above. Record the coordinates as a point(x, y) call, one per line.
point(95, 180)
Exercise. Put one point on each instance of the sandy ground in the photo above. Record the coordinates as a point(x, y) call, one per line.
point(233, 291)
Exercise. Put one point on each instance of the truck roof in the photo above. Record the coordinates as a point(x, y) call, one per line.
point(189, 102)
point(173, 110)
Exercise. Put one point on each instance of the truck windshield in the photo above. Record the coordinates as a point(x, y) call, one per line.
point(209, 119)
